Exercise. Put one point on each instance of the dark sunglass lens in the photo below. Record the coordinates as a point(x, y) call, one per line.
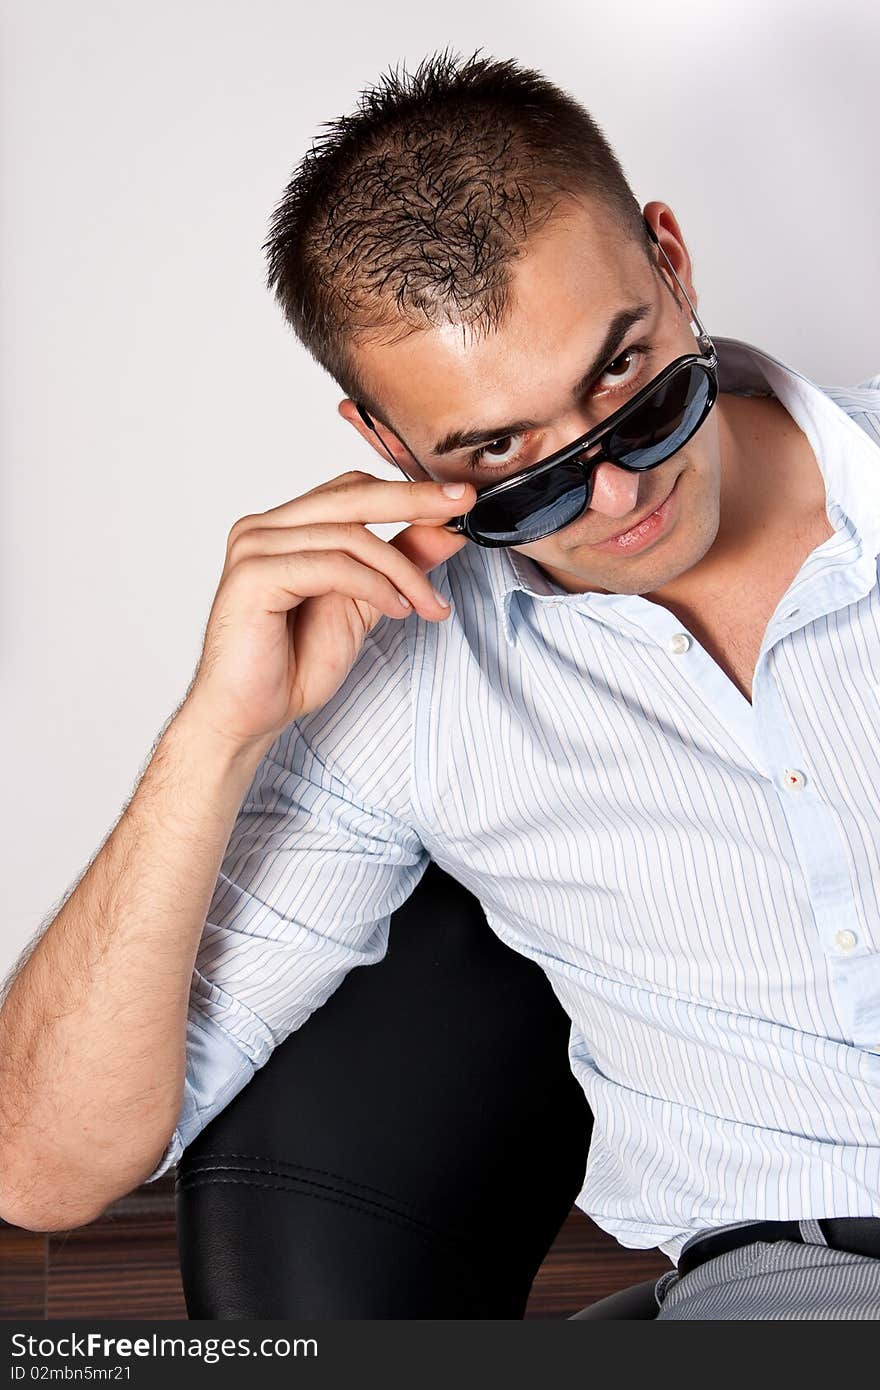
point(664, 422)
point(550, 500)
point(534, 508)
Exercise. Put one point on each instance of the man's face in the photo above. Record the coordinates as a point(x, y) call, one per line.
point(568, 285)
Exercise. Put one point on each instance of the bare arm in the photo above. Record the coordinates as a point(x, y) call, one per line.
point(93, 1027)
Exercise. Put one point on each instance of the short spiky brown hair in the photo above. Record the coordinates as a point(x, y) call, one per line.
point(409, 212)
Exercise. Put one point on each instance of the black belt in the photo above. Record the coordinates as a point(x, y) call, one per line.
point(860, 1235)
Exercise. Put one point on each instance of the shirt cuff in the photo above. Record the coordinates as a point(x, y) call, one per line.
point(216, 1070)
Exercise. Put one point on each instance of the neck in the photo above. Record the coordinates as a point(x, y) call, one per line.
point(771, 490)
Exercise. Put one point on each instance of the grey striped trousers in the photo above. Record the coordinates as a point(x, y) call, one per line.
point(775, 1280)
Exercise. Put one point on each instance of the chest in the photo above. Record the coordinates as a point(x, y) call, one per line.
point(732, 631)
point(736, 644)
point(731, 628)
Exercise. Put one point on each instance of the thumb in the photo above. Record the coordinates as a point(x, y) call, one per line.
point(427, 546)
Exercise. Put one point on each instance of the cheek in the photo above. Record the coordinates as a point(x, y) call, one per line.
point(545, 552)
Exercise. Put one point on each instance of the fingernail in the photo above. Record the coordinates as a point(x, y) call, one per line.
point(453, 489)
point(439, 597)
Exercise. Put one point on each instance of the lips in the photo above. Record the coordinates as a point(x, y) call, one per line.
point(634, 525)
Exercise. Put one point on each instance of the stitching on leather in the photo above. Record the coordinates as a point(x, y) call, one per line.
point(365, 1202)
point(358, 1204)
point(276, 1168)
point(459, 1243)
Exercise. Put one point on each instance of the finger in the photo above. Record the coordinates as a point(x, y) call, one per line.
point(283, 581)
point(349, 537)
point(361, 497)
point(427, 546)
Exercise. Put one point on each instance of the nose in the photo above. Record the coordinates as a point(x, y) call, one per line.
point(615, 491)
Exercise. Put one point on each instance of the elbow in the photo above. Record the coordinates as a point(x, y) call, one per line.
point(46, 1219)
point(70, 1198)
point(36, 1203)
point(43, 1212)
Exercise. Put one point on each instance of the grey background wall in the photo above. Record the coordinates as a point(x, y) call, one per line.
point(151, 393)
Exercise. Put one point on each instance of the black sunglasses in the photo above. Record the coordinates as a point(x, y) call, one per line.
point(642, 434)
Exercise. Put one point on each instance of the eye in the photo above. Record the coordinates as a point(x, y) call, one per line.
point(500, 453)
point(637, 351)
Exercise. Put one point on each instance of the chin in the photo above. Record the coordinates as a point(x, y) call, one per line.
point(641, 574)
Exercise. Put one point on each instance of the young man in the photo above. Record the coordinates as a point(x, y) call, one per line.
point(644, 736)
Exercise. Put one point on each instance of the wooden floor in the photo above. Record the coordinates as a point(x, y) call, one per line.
point(125, 1265)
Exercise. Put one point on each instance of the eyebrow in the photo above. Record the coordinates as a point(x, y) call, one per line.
point(617, 331)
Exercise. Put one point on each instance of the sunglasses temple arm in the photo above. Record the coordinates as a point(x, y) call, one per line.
point(696, 325)
point(455, 523)
point(367, 419)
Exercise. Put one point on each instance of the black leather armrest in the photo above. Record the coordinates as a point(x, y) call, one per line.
point(411, 1151)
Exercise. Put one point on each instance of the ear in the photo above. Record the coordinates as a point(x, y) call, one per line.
point(668, 233)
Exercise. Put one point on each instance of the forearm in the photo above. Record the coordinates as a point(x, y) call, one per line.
point(93, 1028)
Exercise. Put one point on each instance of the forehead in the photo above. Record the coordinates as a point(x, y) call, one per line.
point(566, 286)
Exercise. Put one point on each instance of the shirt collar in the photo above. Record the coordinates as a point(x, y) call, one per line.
point(848, 458)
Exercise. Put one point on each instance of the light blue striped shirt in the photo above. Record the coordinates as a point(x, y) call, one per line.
point(698, 876)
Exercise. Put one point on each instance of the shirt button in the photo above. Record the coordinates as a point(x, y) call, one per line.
point(845, 940)
point(793, 779)
point(679, 643)
point(792, 613)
